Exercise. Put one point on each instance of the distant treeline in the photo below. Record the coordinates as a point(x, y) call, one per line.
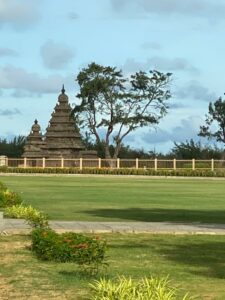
point(186, 150)
point(12, 148)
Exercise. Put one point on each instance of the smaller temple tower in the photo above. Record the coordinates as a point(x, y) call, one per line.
point(34, 143)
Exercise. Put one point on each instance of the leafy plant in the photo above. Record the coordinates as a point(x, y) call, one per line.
point(3, 187)
point(128, 289)
point(9, 198)
point(87, 252)
point(33, 217)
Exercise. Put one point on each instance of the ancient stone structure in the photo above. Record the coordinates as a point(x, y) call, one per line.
point(62, 138)
point(34, 144)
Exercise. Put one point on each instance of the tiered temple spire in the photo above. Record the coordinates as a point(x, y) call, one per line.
point(34, 143)
point(62, 138)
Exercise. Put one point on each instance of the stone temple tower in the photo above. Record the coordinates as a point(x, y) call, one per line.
point(34, 143)
point(62, 139)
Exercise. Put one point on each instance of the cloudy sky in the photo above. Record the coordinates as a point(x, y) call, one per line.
point(45, 43)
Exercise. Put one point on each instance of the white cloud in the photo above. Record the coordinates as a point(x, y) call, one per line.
point(9, 112)
point(160, 63)
point(195, 90)
point(73, 16)
point(19, 80)
point(19, 14)
point(7, 52)
point(188, 129)
point(151, 46)
point(56, 55)
point(199, 8)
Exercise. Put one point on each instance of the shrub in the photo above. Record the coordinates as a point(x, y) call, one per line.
point(87, 252)
point(33, 217)
point(128, 289)
point(2, 187)
point(9, 198)
point(122, 171)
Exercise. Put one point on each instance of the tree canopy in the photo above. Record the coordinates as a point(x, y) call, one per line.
point(191, 149)
point(12, 148)
point(113, 106)
point(215, 121)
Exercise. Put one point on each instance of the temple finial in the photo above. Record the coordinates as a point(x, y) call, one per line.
point(63, 89)
point(35, 121)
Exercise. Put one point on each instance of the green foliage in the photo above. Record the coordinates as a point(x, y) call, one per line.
point(33, 217)
point(191, 149)
point(9, 198)
point(3, 187)
point(216, 116)
point(123, 171)
point(128, 289)
point(118, 105)
point(87, 252)
point(13, 148)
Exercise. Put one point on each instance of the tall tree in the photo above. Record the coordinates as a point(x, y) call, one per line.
point(215, 122)
point(114, 106)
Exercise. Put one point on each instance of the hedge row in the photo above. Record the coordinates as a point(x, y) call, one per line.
point(122, 171)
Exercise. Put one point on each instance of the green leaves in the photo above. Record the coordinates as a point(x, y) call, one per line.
point(87, 252)
point(124, 288)
point(215, 122)
point(117, 105)
point(9, 198)
point(33, 217)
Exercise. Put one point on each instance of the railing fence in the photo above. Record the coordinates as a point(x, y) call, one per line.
point(155, 164)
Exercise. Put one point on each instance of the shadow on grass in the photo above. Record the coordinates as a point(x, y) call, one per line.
point(160, 215)
point(198, 255)
point(200, 258)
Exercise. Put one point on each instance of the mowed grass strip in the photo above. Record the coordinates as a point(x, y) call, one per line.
point(195, 264)
point(123, 199)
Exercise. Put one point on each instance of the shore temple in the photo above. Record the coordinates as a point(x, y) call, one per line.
point(62, 138)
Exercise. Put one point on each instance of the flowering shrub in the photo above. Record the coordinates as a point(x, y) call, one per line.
point(33, 217)
point(87, 252)
point(9, 198)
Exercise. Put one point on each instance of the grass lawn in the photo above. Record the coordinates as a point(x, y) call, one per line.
point(123, 198)
point(194, 263)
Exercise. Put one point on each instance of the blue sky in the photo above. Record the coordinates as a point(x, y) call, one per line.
point(45, 43)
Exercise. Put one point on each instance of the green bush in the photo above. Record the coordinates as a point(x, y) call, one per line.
point(87, 252)
point(122, 171)
point(9, 198)
point(128, 289)
point(2, 187)
point(33, 217)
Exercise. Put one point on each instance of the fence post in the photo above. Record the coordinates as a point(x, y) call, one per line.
point(118, 163)
point(43, 162)
point(137, 163)
point(62, 162)
point(193, 164)
point(81, 163)
point(212, 165)
point(25, 162)
point(99, 163)
point(174, 164)
point(156, 164)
